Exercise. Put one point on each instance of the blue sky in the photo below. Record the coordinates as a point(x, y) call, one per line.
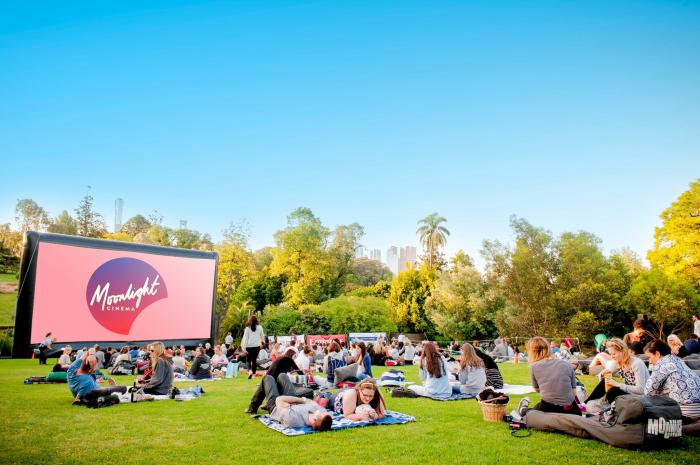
point(574, 115)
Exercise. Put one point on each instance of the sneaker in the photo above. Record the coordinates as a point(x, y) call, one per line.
point(106, 401)
point(523, 406)
point(250, 410)
point(402, 392)
point(77, 400)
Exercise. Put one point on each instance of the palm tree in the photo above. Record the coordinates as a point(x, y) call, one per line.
point(432, 235)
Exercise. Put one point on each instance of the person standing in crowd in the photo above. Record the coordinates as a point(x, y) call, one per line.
point(228, 340)
point(553, 378)
point(671, 377)
point(44, 346)
point(253, 338)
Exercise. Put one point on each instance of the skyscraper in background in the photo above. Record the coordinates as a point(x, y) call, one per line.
point(392, 259)
point(375, 254)
point(118, 210)
point(407, 257)
point(360, 252)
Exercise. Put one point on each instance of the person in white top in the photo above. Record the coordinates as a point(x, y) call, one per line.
point(409, 352)
point(64, 360)
point(303, 360)
point(218, 360)
point(228, 340)
point(393, 351)
point(253, 338)
point(696, 325)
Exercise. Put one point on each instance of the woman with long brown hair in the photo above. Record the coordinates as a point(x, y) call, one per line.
point(434, 373)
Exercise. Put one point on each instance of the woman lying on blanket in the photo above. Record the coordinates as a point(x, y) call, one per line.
point(364, 402)
point(470, 372)
point(632, 370)
point(434, 372)
point(82, 383)
point(553, 378)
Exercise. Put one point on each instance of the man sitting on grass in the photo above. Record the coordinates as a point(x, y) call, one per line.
point(83, 386)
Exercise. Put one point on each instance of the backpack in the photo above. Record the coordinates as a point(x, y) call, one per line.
point(395, 378)
point(660, 416)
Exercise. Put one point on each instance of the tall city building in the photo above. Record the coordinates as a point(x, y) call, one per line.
point(360, 252)
point(118, 210)
point(407, 258)
point(375, 254)
point(392, 259)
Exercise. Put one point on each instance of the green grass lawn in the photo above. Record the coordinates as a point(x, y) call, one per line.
point(8, 277)
point(8, 302)
point(41, 426)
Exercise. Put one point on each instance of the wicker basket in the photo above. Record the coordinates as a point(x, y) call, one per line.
point(492, 411)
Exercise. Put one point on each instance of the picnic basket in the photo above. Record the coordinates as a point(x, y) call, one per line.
point(492, 410)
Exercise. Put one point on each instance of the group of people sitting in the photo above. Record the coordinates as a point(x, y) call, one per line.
point(667, 375)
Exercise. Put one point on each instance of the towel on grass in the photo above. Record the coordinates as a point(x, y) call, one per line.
point(516, 389)
point(339, 422)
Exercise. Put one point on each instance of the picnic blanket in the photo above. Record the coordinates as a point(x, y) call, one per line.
point(185, 394)
point(516, 389)
point(339, 422)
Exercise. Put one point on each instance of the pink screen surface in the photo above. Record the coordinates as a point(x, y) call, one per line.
point(86, 294)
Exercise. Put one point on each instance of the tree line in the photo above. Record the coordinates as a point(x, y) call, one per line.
point(311, 282)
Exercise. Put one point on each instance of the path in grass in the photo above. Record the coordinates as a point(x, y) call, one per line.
point(40, 425)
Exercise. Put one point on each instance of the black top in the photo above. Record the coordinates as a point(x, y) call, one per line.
point(201, 367)
point(282, 365)
point(488, 361)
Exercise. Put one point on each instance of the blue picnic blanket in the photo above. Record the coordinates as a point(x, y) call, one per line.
point(459, 396)
point(339, 422)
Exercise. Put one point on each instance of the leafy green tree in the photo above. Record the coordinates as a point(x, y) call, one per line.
point(667, 300)
point(367, 272)
point(677, 242)
point(409, 291)
point(137, 224)
point(301, 258)
point(235, 267)
point(262, 258)
point(347, 314)
point(64, 224)
point(89, 222)
point(30, 216)
point(526, 278)
point(279, 320)
point(453, 302)
point(185, 238)
point(341, 256)
point(433, 236)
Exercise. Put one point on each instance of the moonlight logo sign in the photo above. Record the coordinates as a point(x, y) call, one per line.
point(120, 289)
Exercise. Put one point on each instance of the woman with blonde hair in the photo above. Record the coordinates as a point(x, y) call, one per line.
point(161, 381)
point(553, 378)
point(631, 369)
point(362, 403)
point(470, 372)
point(378, 353)
point(677, 347)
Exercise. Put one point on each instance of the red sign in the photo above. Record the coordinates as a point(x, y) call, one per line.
point(324, 339)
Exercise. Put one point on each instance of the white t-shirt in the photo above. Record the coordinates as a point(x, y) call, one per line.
point(394, 353)
point(228, 340)
point(409, 352)
point(302, 361)
point(252, 338)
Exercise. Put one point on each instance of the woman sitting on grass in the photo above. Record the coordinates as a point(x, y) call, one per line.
point(161, 380)
point(434, 372)
point(219, 360)
point(471, 372)
point(201, 365)
point(364, 361)
point(378, 353)
point(364, 402)
point(553, 378)
point(672, 378)
point(493, 374)
point(83, 386)
point(632, 370)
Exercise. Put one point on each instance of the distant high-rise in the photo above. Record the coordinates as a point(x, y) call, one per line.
point(375, 254)
point(407, 258)
point(360, 252)
point(392, 259)
point(118, 209)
